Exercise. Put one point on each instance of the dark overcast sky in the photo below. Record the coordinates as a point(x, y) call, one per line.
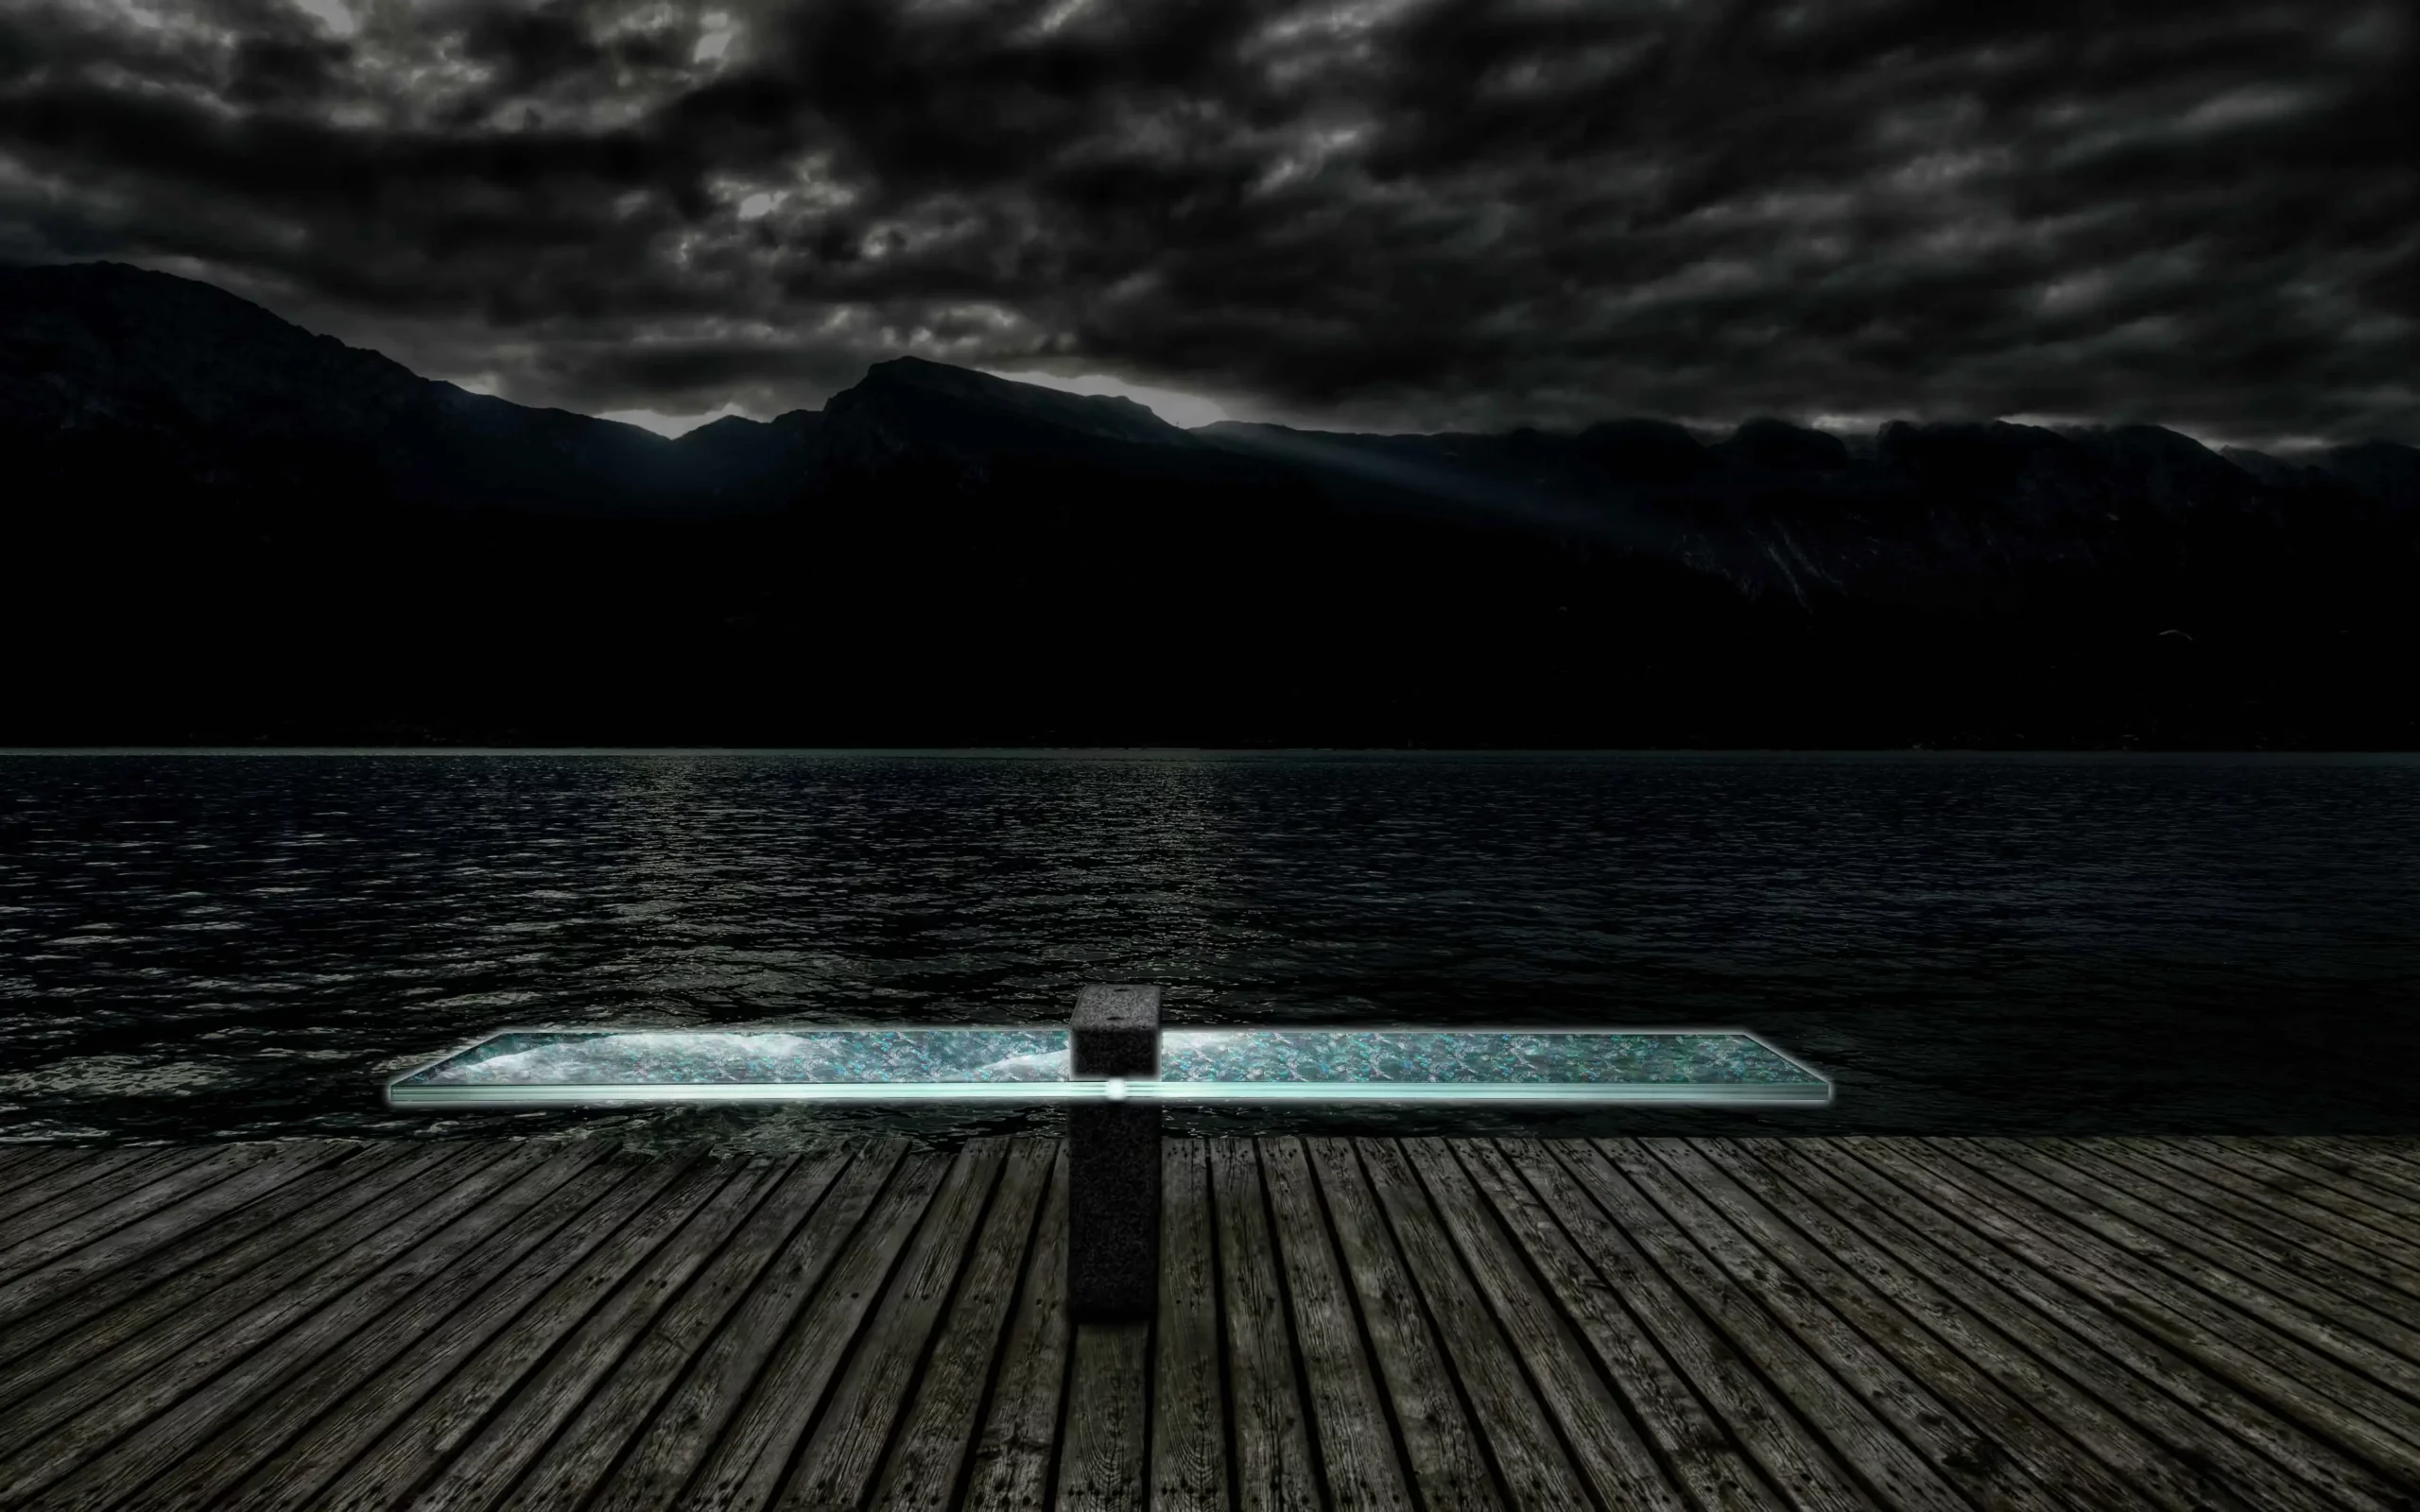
point(1411, 215)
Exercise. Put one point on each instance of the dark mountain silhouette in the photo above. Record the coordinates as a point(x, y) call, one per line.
point(94, 357)
point(222, 528)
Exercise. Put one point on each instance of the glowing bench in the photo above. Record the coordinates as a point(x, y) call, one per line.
point(1114, 1068)
point(531, 1068)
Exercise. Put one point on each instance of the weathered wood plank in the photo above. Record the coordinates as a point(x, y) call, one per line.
point(2317, 1192)
point(1450, 1467)
point(119, 1200)
point(15, 1159)
point(116, 1371)
point(30, 1162)
point(582, 1455)
point(178, 1405)
point(669, 1448)
point(1602, 1265)
point(1272, 1449)
point(1104, 1451)
point(1356, 1445)
point(294, 1475)
point(485, 1472)
point(2336, 1157)
point(2396, 1194)
point(2153, 1474)
point(128, 1167)
point(1019, 1445)
point(2028, 1412)
point(2197, 1370)
point(2191, 1252)
point(64, 1327)
point(114, 1255)
point(70, 1173)
point(279, 1394)
point(2378, 1169)
point(2361, 1175)
point(2114, 1322)
point(1188, 1397)
point(98, 1193)
point(2388, 1152)
point(842, 1456)
point(748, 1462)
point(930, 1454)
point(1536, 1470)
point(2251, 1359)
point(2303, 1237)
point(1896, 1475)
point(405, 1454)
point(1953, 1441)
point(1610, 1454)
point(1689, 1439)
point(2192, 1443)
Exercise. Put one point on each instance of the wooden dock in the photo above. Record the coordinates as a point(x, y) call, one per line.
point(2045, 1325)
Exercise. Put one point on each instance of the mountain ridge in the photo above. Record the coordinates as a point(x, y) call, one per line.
point(211, 472)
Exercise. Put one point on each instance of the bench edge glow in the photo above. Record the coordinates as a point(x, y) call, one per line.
point(1814, 1091)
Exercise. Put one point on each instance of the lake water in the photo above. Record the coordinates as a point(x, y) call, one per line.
point(245, 946)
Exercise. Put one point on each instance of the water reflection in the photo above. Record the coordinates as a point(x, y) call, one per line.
point(199, 947)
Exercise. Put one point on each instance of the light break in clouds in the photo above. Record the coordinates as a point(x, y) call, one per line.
point(1414, 214)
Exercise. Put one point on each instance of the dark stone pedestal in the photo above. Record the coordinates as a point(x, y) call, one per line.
point(1114, 1160)
point(1113, 1211)
point(1116, 1031)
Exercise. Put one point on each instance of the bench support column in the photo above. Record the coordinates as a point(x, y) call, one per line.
point(1114, 1160)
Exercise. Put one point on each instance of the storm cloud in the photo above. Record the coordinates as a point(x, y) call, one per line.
point(1395, 214)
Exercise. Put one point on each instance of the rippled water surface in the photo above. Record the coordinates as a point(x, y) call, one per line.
point(199, 947)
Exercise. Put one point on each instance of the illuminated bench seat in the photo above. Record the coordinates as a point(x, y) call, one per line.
point(1114, 1068)
point(540, 1067)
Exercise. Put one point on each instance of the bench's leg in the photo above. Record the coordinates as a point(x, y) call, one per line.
point(1114, 1159)
point(1113, 1211)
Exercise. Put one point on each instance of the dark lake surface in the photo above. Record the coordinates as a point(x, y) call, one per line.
point(242, 946)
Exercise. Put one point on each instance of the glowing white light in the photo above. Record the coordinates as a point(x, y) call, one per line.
point(715, 42)
point(331, 14)
point(1845, 425)
point(2245, 107)
point(2080, 292)
point(2046, 421)
point(1059, 16)
point(668, 426)
point(1174, 405)
point(757, 206)
point(867, 1063)
point(1936, 170)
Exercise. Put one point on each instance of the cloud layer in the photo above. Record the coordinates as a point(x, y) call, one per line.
point(1386, 214)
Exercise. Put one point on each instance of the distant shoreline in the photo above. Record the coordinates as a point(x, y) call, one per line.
point(2386, 756)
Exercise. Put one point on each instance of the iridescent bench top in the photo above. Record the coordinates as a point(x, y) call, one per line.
point(532, 1066)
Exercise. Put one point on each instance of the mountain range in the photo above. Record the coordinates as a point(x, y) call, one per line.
point(225, 528)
